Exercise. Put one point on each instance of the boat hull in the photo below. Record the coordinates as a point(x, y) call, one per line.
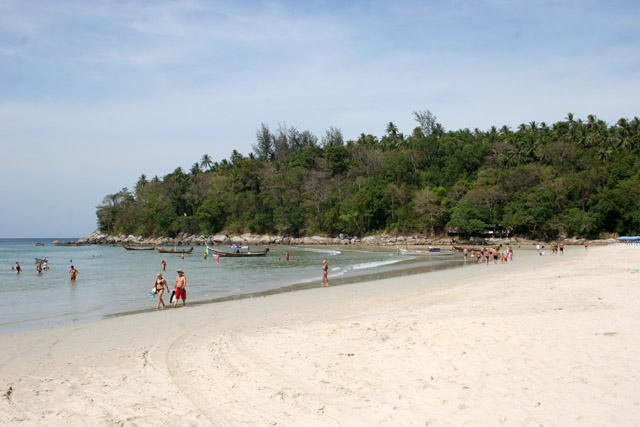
point(174, 251)
point(138, 249)
point(237, 255)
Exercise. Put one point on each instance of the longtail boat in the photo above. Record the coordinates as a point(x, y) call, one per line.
point(238, 253)
point(129, 248)
point(174, 251)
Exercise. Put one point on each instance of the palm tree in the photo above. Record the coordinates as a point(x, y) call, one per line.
point(206, 162)
point(142, 181)
point(570, 119)
point(392, 130)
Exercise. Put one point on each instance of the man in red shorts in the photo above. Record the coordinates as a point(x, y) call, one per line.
point(181, 288)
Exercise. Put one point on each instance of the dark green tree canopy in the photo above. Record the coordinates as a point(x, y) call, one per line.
point(573, 177)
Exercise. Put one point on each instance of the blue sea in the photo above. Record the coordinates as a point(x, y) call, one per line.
point(113, 281)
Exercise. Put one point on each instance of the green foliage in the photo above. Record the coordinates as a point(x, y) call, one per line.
point(577, 177)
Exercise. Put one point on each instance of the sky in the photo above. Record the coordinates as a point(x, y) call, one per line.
point(95, 94)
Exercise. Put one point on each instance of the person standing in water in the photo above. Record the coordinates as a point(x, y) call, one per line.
point(163, 265)
point(160, 285)
point(181, 291)
point(325, 268)
point(73, 273)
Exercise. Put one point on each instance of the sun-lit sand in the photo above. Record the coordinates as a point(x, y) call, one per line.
point(540, 341)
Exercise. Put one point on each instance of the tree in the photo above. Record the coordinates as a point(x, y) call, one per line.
point(430, 203)
point(263, 148)
point(337, 159)
point(281, 144)
point(142, 182)
point(332, 137)
point(206, 162)
point(426, 120)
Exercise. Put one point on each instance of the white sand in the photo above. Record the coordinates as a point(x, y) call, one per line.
point(540, 341)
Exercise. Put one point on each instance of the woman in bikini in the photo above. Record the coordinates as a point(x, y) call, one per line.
point(325, 267)
point(160, 285)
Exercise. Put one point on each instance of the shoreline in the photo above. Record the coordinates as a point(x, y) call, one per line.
point(308, 285)
point(544, 340)
point(384, 239)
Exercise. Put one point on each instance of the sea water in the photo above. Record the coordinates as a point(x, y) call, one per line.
point(113, 281)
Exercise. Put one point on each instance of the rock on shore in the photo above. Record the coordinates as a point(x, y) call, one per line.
point(98, 238)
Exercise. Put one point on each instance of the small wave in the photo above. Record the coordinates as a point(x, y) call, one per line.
point(323, 251)
point(367, 265)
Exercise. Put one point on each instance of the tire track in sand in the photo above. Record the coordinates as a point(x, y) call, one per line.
point(307, 391)
point(198, 386)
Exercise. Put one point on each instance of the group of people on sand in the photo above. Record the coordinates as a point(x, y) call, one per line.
point(485, 255)
point(553, 248)
point(179, 290)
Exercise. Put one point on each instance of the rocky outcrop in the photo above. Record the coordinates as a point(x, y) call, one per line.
point(225, 238)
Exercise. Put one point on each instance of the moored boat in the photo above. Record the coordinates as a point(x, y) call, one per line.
point(174, 250)
point(237, 254)
point(141, 248)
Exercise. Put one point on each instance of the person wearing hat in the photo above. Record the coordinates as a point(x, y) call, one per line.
point(181, 291)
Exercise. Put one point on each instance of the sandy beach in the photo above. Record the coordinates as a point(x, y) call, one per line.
point(543, 340)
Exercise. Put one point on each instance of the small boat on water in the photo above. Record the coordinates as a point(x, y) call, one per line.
point(237, 254)
point(427, 252)
point(174, 250)
point(140, 248)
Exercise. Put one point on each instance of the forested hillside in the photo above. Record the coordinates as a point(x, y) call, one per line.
point(576, 177)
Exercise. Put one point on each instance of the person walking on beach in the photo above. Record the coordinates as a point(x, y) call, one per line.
point(561, 248)
point(73, 273)
point(163, 265)
point(325, 268)
point(181, 291)
point(160, 285)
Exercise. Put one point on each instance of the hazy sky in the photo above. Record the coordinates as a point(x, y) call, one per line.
point(94, 94)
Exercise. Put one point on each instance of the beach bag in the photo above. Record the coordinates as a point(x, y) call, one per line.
point(173, 296)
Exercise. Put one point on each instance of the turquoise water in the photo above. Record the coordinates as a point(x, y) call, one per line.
point(114, 281)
